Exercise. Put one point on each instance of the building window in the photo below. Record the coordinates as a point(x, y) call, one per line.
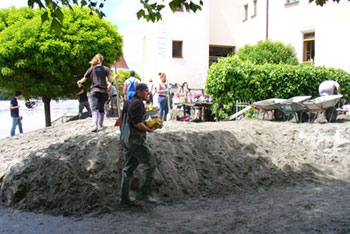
point(309, 47)
point(177, 49)
point(181, 8)
point(254, 8)
point(245, 12)
point(216, 52)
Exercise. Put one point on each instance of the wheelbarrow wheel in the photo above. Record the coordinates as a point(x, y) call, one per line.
point(278, 115)
point(331, 114)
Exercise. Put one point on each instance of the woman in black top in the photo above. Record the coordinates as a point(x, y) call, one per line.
point(99, 94)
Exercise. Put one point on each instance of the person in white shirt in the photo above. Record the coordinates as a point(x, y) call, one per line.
point(326, 88)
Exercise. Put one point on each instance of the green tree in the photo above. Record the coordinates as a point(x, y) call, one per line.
point(46, 65)
point(322, 2)
point(274, 52)
point(149, 11)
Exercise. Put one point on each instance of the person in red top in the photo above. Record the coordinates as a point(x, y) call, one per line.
point(99, 93)
point(163, 97)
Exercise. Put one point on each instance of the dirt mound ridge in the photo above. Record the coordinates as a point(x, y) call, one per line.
point(68, 170)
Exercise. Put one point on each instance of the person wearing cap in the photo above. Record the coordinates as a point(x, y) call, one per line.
point(130, 86)
point(132, 138)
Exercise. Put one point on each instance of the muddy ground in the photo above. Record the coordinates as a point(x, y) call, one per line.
point(309, 208)
point(231, 177)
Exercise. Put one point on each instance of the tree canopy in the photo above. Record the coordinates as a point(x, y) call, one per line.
point(47, 65)
point(149, 11)
point(322, 2)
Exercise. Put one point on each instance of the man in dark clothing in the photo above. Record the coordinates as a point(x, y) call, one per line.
point(132, 137)
point(16, 118)
point(83, 101)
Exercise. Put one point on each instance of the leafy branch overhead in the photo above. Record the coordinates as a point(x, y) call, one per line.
point(149, 11)
point(57, 16)
point(322, 2)
point(152, 12)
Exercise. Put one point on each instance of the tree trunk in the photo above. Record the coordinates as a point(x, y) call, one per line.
point(47, 101)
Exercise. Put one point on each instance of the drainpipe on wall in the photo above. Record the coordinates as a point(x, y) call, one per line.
point(143, 59)
point(267, 19)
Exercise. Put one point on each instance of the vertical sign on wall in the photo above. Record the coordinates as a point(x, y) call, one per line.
point(162, 37)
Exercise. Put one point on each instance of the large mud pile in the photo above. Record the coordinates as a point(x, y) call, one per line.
point(68, 170)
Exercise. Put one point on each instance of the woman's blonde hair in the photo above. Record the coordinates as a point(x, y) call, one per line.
point(97, 59)
point(161, 74)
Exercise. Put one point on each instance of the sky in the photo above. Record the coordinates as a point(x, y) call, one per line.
point(123, 14)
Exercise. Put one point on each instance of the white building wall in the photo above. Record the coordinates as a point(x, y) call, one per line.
point(190, 28)
point(253, 29)
point(288, 23)
point(224, 22)
point(221, 23)
point(332, 36)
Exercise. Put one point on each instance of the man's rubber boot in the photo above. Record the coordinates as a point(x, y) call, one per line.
point(125, 200)
point(129, 202)
point(146, 198)
point(145, 184)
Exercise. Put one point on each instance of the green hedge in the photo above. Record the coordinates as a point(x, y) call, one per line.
point(268, 51)
point(231, 79)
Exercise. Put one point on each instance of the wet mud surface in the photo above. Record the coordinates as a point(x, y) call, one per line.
point(248, 176)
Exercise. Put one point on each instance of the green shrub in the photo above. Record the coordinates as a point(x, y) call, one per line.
point(268, 52)
point(231, 79)
point(250, 114)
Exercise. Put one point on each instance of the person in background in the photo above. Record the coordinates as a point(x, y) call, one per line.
point(114, 103)
point(327, 87)
point(112, 100)
point(133, 141)
point(171, 100)
point(16, 118)
point(130, 86)
point(83, 101)
point(163, 97)
point(99, 95)
point(150, 89)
